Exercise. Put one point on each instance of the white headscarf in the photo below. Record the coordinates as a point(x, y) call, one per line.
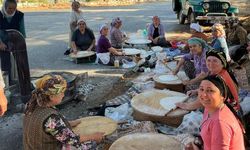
point(102, 26)
point(5, 14)
point(196, 27)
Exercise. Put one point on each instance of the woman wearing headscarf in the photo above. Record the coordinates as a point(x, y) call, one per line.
point(198, 48)
point(75, 15)
point(221, 128)
point(83, 38)
point(156, 33)
point(116, 36)
point(219, 42)
point(106, 54)
point(10, 18)
point(44, 128)
point(217, 65)
point(196, 31)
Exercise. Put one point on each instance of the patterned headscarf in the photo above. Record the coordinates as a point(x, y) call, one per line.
point(220, 55)
point(115, 21)
point(51, 85)
point(199, 41)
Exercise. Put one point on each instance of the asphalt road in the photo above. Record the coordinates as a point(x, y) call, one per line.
point(47, 39)
point(47, 31)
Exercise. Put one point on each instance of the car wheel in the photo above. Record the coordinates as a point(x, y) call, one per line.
point(191, 18)
point(182, 17)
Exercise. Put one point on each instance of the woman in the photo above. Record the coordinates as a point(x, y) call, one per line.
point(75, 15)
point(44, 127)
point(106, 54)
point(220, 128)
point(116, 36)
point(219, 40)
point(198, 49)
point(196, 31)
point(236, 34)
point(83, 38)
point(10, 18)
point(217, 65)
point(156, 33)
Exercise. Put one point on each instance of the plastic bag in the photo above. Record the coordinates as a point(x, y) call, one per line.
point(245, 105)
point(191, 123)
point(160, 67)
point(120, 113)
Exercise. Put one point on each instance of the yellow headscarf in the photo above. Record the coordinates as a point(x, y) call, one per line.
point(52, 85)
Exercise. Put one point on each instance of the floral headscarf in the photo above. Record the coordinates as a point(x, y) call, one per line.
point(52, 85)
point(219, 27)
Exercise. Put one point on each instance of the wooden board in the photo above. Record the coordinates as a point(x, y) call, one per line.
point(146, 141)
point(82, 54)
point(91, 125)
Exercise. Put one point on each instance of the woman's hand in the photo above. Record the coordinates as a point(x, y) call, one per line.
point(184, 106)
point(175, 71)
point(74, 123)
point(185, 82)
point(2, 46)
point(156, 40)
point(74, 51)
point(192, 93)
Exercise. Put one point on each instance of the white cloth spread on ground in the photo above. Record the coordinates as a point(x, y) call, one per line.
point(104, 57)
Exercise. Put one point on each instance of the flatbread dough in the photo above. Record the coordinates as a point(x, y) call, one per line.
point(131, 51)
point(138, 41)
point(81, 54)
point(146, 141)
point(168, 77)
point(149, 102)
point(157, 48)
point(168, 103)
point(91, 125)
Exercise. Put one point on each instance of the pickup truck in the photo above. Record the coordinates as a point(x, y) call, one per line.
point(204, 11)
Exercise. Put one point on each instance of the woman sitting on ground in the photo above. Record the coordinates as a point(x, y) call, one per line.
point(116, 36)
point(219, 42)
point(156, 33)
point(44, 127)
point(217, 65)
point(198, 48)
point(221, 127)
point(106, 54)
point(83, 39)
point(75, 15)
point(196, 31)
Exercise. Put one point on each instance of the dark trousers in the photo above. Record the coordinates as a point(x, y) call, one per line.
point(6, 63)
